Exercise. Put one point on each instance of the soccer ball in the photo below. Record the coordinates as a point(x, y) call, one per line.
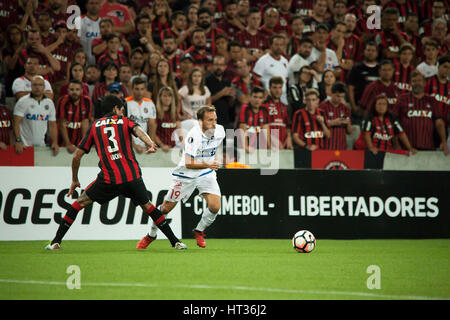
point(304, 241)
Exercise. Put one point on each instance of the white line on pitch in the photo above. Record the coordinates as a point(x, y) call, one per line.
point(235, 288)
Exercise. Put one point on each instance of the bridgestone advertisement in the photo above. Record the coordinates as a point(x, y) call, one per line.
point(331, 204)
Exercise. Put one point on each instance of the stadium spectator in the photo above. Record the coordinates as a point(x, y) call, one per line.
point(403, 68)
point(336, 40)
point(352, 51)
point(235, 54)
point(279, 123)
point(338, 118)
point(360, 76)
point(112, 52)
point(385, 85)
point(254, 123)
point(201, 57)
point(109, 74)
point(177, 30)
point(318, 16)
point(429, 66)
point(270, 26)
point(382, 130)
point(362, 30)
point(205, 21)
point(90, 28)
point(302, 58)
point(194, 95)
point(285, 11)
point(391, 37)
point(13, 46)
point(222, 46)
point(411, 28)
point(326, 85)
point(420, 115)
point(165, 125)
point(309, 128)
point(192, 17)
point(76, 72)
point(243, 11)
point(150, 68)
point(251, 38)
point(222, 92)
point(439, 34)
point(22, 85)
point(99, 45)
point(296, 34)
point(438, 11)
point(273, 64)
point(125, 76)
point(21, 13)
point(186, 65)
point(32, 115)
point(120, 15)
point(306, 78)
point(6, 127)
point(137, 64)
point(324, 58)
point(244, 81)
point(160, 19)
point(73, 113)
point(45, 28)
point(92, 77)
point(47, 63)
point(143, 38)
point(141, 110)
point(404, 8)
point(338, 13)
point(230, 23)
point(56, 10)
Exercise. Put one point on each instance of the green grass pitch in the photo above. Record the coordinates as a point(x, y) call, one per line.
point(227, 269)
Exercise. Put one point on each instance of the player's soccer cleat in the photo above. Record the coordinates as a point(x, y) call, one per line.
point(145, 241)
point(55, 246)
point(200, 238)
point(180, 246)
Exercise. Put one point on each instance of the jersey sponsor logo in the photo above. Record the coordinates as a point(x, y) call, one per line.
point(168, 125)
point(314, 134)
point(108, 122)
point(37, 117)
point(74, 125)
point(443, 99)
point(91, 35)
point(382, 136)
point(5, 124)
point(420, 114)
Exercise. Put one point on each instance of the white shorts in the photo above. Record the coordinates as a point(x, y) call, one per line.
point(182, 188)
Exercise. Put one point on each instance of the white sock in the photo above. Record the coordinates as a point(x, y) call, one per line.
point(207, 219)
point(154, 228)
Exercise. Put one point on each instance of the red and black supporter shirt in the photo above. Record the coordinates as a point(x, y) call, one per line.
point(382, 131)
point(111, 136)
point(278, 117)
point(201, 58)
point(165, 129)
point(417, 117)
point(410, 6)
point(402, 77)
point(338, 134)
point(104, 58)
point(73, 114)
point(441, 92)
point(254, 121)
point(308, 128)
point(5, 125)
point(25, 53)
point(378, 88)
point(258, 41)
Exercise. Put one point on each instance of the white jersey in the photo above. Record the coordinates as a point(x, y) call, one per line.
point(36, 115)
point(267, 66)
point(331, 60)
point(89, 30)
point(427, 70)
point(140, 113)
point(201, 148)
point(23, 84)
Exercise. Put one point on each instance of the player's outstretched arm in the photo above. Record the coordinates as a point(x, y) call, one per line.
point(192, 164)
point(76, 161)
point(141, 134)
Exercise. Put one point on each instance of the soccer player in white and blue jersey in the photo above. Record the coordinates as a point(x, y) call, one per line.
point(196, 170)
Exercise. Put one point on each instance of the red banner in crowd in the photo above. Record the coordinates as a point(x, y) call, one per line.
point(9, 157)
point(337, 159)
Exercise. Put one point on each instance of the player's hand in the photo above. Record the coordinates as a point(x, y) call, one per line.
point(152, 149)
point(215, 165)
point(73, 186)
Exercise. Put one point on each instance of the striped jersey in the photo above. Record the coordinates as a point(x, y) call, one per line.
point(111, 136)
point(73, 115)
point(441, 92)
point(308, 128)
point(278, 117)
point(255, 122)
point(402, 77)
point(417, 117)
point(378, 88)
point(166, 128)
point(382, 131)
point(338, 134)
point(5, 124)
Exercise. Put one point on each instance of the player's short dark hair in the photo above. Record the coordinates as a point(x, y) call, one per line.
point(201, 112)
point(109, 102)
point(257, 89)
point(137, 81)
point(338, 87)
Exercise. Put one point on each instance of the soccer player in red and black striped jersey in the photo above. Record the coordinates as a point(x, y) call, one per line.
point(254, 122)
point(338, 118)
point(6, 125)
point(120, 172)
point(73, 111)
point(381, 126)
point(403, 68)
point(385, 85)
point(309, 128)
point(438, 87)
point(420, 115)
point(279, 124)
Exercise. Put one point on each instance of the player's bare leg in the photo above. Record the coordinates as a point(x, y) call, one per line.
point(207, 219)
point(162, 224)
point(165, 208)
point(68, 219)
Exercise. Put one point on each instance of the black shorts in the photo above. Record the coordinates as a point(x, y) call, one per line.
point(102, 192)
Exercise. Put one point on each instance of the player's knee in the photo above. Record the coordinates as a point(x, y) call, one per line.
point(214, 207)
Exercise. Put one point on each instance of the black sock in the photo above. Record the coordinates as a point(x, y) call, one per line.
point(162, 224)
point(66, 222)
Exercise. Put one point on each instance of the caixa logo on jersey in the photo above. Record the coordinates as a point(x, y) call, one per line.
point(21, 206)
point(363, 206)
